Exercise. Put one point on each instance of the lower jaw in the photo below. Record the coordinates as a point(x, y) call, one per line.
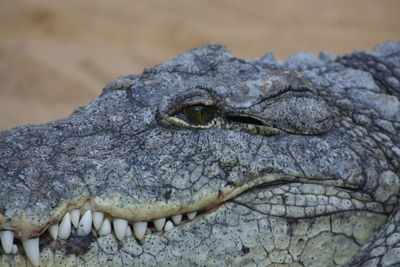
point(228, 235)
point(76, 232)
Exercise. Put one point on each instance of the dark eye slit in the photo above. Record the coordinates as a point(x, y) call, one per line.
point(243, 119)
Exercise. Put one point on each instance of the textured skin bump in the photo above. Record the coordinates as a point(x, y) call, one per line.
point(298, 166)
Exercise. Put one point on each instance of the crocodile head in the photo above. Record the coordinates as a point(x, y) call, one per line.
point(209, 159)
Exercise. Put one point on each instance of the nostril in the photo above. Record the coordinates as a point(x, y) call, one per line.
point(243, 119)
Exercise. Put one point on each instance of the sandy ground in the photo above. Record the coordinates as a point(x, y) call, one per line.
point(57, 55)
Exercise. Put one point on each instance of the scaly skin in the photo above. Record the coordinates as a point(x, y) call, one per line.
point(298, 164)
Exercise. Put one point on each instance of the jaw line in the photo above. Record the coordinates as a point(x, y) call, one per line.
point(139, 212)
point(154, 210)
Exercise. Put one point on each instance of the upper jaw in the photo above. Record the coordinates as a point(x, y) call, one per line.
point(145, 193)
point(25, 224)
point(123, 186)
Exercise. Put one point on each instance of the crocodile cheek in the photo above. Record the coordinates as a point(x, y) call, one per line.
point(388, 189)
point(299, 115)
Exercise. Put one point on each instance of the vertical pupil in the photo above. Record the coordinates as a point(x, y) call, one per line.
point(199, 113)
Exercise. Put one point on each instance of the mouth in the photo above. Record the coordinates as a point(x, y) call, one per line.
point(80, 224)
point(290, 197)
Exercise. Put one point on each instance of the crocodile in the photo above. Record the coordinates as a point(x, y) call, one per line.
point(213, 160)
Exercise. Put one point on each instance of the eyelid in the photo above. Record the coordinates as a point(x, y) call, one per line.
point(171, 106)
point(192, 102)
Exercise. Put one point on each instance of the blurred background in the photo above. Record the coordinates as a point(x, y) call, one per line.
point(57, 55)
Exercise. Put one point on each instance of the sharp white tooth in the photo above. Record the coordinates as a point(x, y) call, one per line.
point(191, 215)
point(53, 230)
point(14, 249)
point(128, 231)
point(75, 214)
point(98, 218)
point(168, 226)
point(85, 224)
point(31, 247)
point(177, 218)
point(140, 229)
point(105, 228)
point(120, 228)
point(159, 223)
point(64, 230)
point(7, 238)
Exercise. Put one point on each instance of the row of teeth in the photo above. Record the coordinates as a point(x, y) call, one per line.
point(82, 225)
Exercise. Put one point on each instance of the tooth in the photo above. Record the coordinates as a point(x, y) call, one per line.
point(140, 229)
point(53, 230)
point(168, 226)
point(14, 249)
point(31, 247)
point(159, 223)
point(85, 224)
point(64, 230)
point(105, 228)
point(128, 231)
point(120, 228)
point(98, 218)
point(191, 215)
point(7, 238)
point(75, 214)
point(177, 218)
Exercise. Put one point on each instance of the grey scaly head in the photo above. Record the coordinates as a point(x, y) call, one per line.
point(213, 160)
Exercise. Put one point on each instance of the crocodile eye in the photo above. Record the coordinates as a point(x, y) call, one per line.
point(195, 108)
point(198, 114)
